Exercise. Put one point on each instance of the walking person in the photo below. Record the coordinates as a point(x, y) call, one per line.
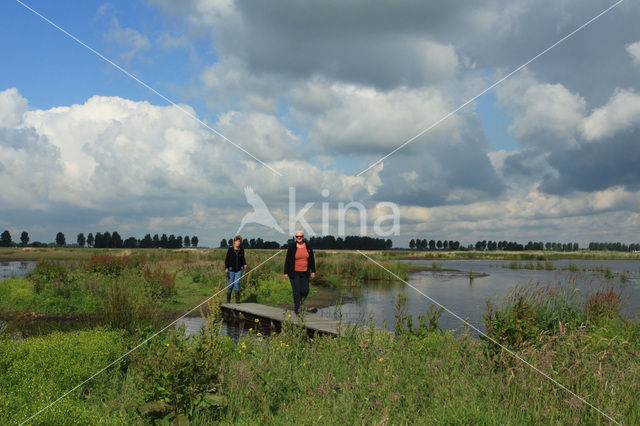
point(234, 264)
point(299, 265)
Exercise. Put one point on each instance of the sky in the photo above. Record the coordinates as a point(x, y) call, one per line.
point(312, 95)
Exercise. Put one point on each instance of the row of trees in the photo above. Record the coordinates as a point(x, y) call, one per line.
point(614, 246)
point(253, 243)
point(423, 244)
point(108, 240)
point(352, 242)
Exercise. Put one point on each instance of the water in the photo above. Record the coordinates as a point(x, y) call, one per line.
point(193, 326)
point(468, 301)
point(16, 268)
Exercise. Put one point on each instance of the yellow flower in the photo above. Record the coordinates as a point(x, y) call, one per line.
point(381, 359)
point(259, 334)
point(167, 344)
point(256, 320)
point(250, 329)
point(289, 315)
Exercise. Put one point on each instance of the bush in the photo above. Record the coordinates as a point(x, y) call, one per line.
point(160, 283)
point(606, 302)
point(180, 375)
point(128, 308)
point(531, 309)
point(109, 265)
point(47, 272)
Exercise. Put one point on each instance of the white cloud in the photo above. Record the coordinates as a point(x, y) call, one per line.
point(12, 107)
point(361, 119)
point(634, 51)
point(544, 115)
point(622, 112)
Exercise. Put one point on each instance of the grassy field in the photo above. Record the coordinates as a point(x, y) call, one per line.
point(416, 374)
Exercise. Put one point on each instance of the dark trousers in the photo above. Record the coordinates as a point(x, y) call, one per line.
point(300, 287)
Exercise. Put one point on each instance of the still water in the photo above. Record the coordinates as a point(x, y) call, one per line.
point(16, 268)
point(468, 301)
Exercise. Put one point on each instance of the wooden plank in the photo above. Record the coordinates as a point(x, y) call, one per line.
point(312, 321)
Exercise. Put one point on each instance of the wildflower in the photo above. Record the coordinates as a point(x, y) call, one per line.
point(259, 334)
point(289, 315)
point(167, 344)
point(380, 359)
point(250, 329)
point(256, 320)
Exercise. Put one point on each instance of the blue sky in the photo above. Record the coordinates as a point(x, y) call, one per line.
point(319, 92)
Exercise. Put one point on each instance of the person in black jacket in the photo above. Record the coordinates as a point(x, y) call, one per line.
point(234, 264)
point(299, 265)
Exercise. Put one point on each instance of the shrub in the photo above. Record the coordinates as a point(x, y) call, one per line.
point(48, 272)
point(109, 265)
point(160, 283)
point(180, 375)
point(531, 309)
point(606, 302)
point(127, 308)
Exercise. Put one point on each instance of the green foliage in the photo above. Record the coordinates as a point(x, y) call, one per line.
point(530, 310)
point(605, 302)
point(128, 307)
point(160, 283)
point(36, 371)
point(426, 323)
point(48, 272)
point(179, 375)
point(16, 295)
point(109, 265)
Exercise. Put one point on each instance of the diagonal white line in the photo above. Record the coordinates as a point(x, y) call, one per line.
point(509, 351)
point(145, 341)
point(408, 141)
point(128, 74)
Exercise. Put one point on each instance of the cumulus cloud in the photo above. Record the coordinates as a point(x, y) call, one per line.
point(634, 51)
point(12, 107)
point(583, 151)
point(622, 112)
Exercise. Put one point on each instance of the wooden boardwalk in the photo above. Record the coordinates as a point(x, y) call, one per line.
point(271, 318)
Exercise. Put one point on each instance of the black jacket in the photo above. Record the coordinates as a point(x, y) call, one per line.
point(235, 262)
point(290, 260)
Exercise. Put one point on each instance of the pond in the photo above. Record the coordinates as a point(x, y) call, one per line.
point(16, 268)
point(454, 291)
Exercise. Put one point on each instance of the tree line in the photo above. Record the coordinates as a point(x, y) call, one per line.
point(106, 240)
point(253, 243)
point(614, 246)
point(351, 242)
